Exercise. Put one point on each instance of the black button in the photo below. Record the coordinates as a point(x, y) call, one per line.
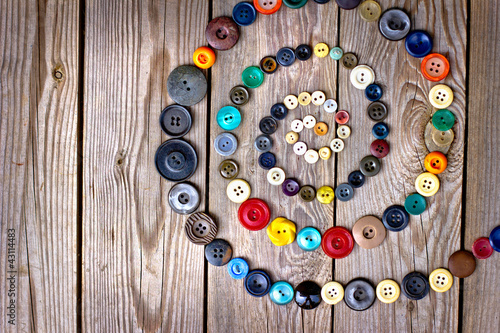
point(308, 295)
point(183, 198)
point(176, 160)
point(348, 4)
point(267, 161)
point(303, 52)
point(268, 125)
point(239, 95)
point(218, 252)
point(257, 283)
point(359, 295)
point(321, 2)
point(356, 179)
point(377, 111)
point(344, 192)
point(222, 33)
point(394, 24)
point(307, 193)
point(200, 228)
point(268, 65)
point(186, 85)
point(395, 218)
point(263, 143)
point(279, 111)
point(175, 121)
point(285, 56)
point(415, 286)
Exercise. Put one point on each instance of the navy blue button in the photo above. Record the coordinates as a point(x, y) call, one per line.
point(395, 218)
point(373, 92)
point(415, 286)
point(267, 161)
point(244, 14)
point(418, 43)
point(303, 52)
point(495, 239)
point(237, 268)
point(309, 239)
point(176, 160)
point(380, 130)
point(281, 293)
point(285, 56)
point(257, 283)
point(268, 125)
point(356, 179)
point(279, 111)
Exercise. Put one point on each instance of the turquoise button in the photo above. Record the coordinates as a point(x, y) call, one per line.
point(237, 268)
point(443, 120)
point(228, 118)
point(252, 77)
point(336, 53)
point(415, 204)
point(309, 239)
point(281, 293)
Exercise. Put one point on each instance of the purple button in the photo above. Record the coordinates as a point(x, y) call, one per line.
point(290, 187)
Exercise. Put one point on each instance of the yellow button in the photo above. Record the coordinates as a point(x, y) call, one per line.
point(325, 153)
point(281, 231)
point(332, 293)
point(369, 11)
point(388, 291)
point(291, 102)
point(427, 184)
point(441, 96)
point(276, 176)
point(337, 145)
point(441, 280)
point(309, 121)
point(311, 156)
point(343, 131)
point(325, 194)
point(321, 50)
point(318, 98)
point(291, 137)
point(321, 128)
point(304, 98)
point(238, 190)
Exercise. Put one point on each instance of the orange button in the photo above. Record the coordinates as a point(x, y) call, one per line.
point(435, 162)
point(435, 67)
point(321, 128)
point(204, 57)
point(267, 7)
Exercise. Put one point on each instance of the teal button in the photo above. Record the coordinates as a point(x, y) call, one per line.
point(252, 77)
point(336, 53)
point(281, 293)
point(228, 118)
point(415, 204)
point(443, 120)
point(294, 4)
point(309, 239)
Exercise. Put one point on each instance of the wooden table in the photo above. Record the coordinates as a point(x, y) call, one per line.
point(88, 240)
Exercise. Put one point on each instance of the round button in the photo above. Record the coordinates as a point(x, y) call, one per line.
point(373, 92)
point(395, 218)
point(325, 194)
point(435, 67)
point(495, 239)
point(254, 214)
point(257, 282)
point(222, 33)
point(309, 239)
point(307, 193)
point(344, 192)
point(267, 7)
point(186, 85)
point(369, 166)
point(349, 60)
point(321, 50)
point(394, 24)
point(330, 105)
point(285, 56)
point(438, 140)
point(369, 11)
point(291, 102)
point(377, 111)
point(267, 160)
point(320, 128)
point(443, 120)
point(183, 198)
point(379, 148)
point(440, 96)
point(263, 143)
point(418, 43)
point(415, 286)
point(252, 77)
point(176, 160)
point(279, 111)
point(228, 169)
point(462, 264)
point(362, 76)
point(281, 231)
point(427, 184)
point(290, 187)
point(218, 252)
point(268, 65)
point(309, 121)
point(336, 53)
point(325, 153)
point(343, 131)
point(238, 190)
point(299, 148)
point(481, 249)
point(337, 145)
point(440, 280)
point(356, 179)
point(239, 95)
point(342, 117)
point(276, 176)
point(380, 130)
point(359, 295)
point(281, 292)
point(337, 242)
point(332, 293)
point(204, 57)
point(175, 121)
point(348, 4)
point(303, 52)
point(304, 98)
point(225, 144)
point(318, 97)
point(237, 268)
point(200, 228)
point(291, 137)
point(388, 291)
point(268, 125)
point(311, 156)
point(415, 204)
point(228, 118)
point(368, 232)
point(244, 14)
point(308, 295)
point(435, 162)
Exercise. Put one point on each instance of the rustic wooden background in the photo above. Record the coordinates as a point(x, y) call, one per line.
point(82, 85)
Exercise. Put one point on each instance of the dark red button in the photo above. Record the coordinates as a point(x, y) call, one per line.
point(379, 148)
point(337, 242)
point(254, 214)
point(482, 248)
point(222, 33)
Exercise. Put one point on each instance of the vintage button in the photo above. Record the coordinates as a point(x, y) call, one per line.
point(495, 239)
point(442, 138)
point(320, 128)
point(332, 293)
point(281, 231)
point(415, 286)
point(307, 193)
point(303, 52)
point(440, 96)
point(252, 77)
point(200, 228)
point(415, 204)
point(204, 57)
point(380, 130)
point(228, 118)
point(395, 218)
point(330, 105)
point(349, 60)
point(308, 295)
point(362, 76)
point(462, 264)
point(300, 148)
point(285, 56)
point(344, 192)
point(435, 67)
point(254, 214)
point(437, 140)
point(394, 24)
point(309, 121)
point(336, 53)
point(222, 33)
point(356, 179)
point(388, 291)
point(295, 4)
point(279, 111)
point(175, 121)
point(218, 252)
point(268, 125)
point(379, 148)
point(267, 160)
point(237, 268)
point(276, 176)
point(435, 162)
point(369, 11)
point(325, 153)
point(291, 137)
point(304, 98)
point(225, 144)
point(291, 102)
point(290, 187)
point(359, 295)
point(257, 282)
point(325, 194)
point(373, 92)
point(176, 160)
point(311, 156)
point(337, 145)
point(309, 239)
point(321, 50)
point(368, 232)
point(238, 190)
point(348, 4)
point(244, 14)
point(281, 292)
point(443, 120)
point(343, 131)
point(440, 280)
point(239, 95)
point(263, 143)
point(267, 7)
point(369, 166)
point(186, 85)
point(318, 97)
point(337, 242)
point(321, 2)
point(418, 43)
point(268, 65)
point(229, 169)
point(183, 198)
point(377, 111)
point(481, 249)
point(427, 184)
point(342, 117)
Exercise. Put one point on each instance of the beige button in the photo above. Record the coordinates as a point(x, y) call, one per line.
point(299, 148)
point(325, 153)
point(362, 76)
point(309, 121)
point(440, 96)
point(311, 156)
point(369, 11)
point(291, 137)
point(304, 98)
point(320, 128)
point(368, 232)
point(343, 131)
point(238, 190)
point(443, 138)
point(337, 145)
point(332, 293)
point(297, 125)
point(276, 176)
point(427, 184)
point(430, 134)
point(291, 102)
point(318, 97)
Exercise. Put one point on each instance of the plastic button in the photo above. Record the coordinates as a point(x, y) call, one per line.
point(348, 4)
point(304, 98)
point(342, 117)
point(418, 43)
point(321, 50)
point(435, 162)
point(267, 160)
point(388, 291)
point(239, 95)
point(440, 280)
point(252, 77)
point(254, 214)
point(427, 184)
point(268, 65)
point(318, 97)
point(330, 105)
point(281, 231)
point(244, 14)
point(415, 286)
point(222, 33)
point(377, 111)
point(267, 7)
point(435, 67)
point(176, 160)
point(368, 232)
point(308, 295)
point(440, 96)
point(311, 156)
point(200, 229)
point(362, 76)
point(237, 268)
point(337, 242)
point(436, 140)
point(290, 187)
point(495, 239)
point(359, 295)
point(325, 194)
point(462, 264)
point(186, 85)
point(279, 111)
point(394, 24)
point(276, 176)
point(303, 52)
point(218, 252)
point(337, 145)
point(291, 137)
point(268, 125)
point(257, 282)
point(369, 11)
point(369, 166)
point(238, 190)
point(373, 92)
point(343, 131)
point(299, 148)
point(336, 53)
point(443, 120)
point(307, 193)
point(225, 144)
point(481, 249)
point(344, 192)
point(309, 121)
point(321, 128)
point(356, 179)
point(291, 102)
point(263, 143)
point(325, 153)
point(332, 293)
point(395, 218)
point(415, 204)
point(285, 56)
point(183, 198)
point(309, 239)
point(204, 57)
point(228, 118)
point(281, 292)
point(349, 60)
point(379, 148)
point(228, 169)
point(380, 130)
point(321, 2)
point(175, 121)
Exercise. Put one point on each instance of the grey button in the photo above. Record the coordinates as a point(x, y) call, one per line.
point(359, 295)
point(369, 166)
point(175, 121)
point(394, 24)
point(239, 95)
point(225, 144)
point(377, 111)
point(176, 160)
point(186, 85)
point(183, 198)
point(263, 143)
point(344, 192)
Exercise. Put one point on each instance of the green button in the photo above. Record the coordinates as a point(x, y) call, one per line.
point(252, 77)
point(228, 118)
point(336, 53)
point(415, 204)
point(443, 120)
point(294, 4)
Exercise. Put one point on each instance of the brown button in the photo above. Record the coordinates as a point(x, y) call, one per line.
point(307, 193)
point(368, 232)
point(200, 228)
point(268, 65)
point(462, 264)
point(320, 128)
point(228, 169)
point(239, 95)
point(349, 60)
point(222, 33)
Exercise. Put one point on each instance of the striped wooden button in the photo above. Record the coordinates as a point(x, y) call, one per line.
point(200, 228)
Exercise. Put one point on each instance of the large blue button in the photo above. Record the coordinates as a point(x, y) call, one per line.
point(395, 218)
point(495, 238)
point(267, 161)
point(418, 43)
point(257, 283)
point(228, 118)
point(373, 92)
point(237, 268)
point(244, 14)
point(281, 293)
point(309, 239)
point(380, 130)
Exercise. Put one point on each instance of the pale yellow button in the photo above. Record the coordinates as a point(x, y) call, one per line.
point(291, 137)
point(441, 280)
point(427, 184)
point(343, 131)
point(300, 148)
point(291, 102)
point(311, 156)
point(443, 138)
point(441, 96)
point(281, 231)
point(321, 50)
point(332, 293)
point(309, 121)
point(325, 194)
point(369, 11)
point(238, 190)
point(318, 98)
point(325, 153)
point(304, 98)
point(337, 145)
point(362, 76)
point(388, 291)
point(297, 125)
point(276, 176)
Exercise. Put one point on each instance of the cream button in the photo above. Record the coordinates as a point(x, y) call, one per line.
point(362, 76)
point(299, 148)
point(337, 145)
point(318, 97)
point(441, 96)
point(332, 293)
point(427, 184)
point(309, 121)
point(304, 98)
point(388, 291)
point(276, 176)
point(291, 137)
point(441, 280)
point(343, 131)
point(238, 190)
point(291, 102)
point(311, 156)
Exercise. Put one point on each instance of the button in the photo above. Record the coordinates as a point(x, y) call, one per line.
point(299, 148)
point(304, 98)
point(332, 293)
point(442, 138)
point(349, 60)
point(495, 239)
point(359, 295)
point(263, 143)
point(379, 148)
point(394, 24)
point(276, 176)
point(186, 85)
point(239, 95)
point(418, 43)
point(228, 118)
point(415, 204)
point(377, 111)
point(279, 111)
point(303, 52)
point(321, 2)
point(318, 97)
point(309, 121)
point(321, 50)
point(373, 92)
point(343, 131)
point(204, 57)
point(183, 198)
point(443, 120)
point(268, 65)
point(369, 11)
point(294, 4)
point(308, 295)
point(462, 264)
point(267, 161)
point(175, 121)
point(356, 179)
point(380, 130)
point(200, 228)
point(369, 166)
point(330, 105)
point(440, 96)
point(228, 169)
point(321, 128)
point(437, 140)
point(291, 102)
point(244, 14)
point(427, 184)
point(395, 218)
point(311, 156)
point(481, 249)
point(336, 53)
point(307, 193)
point(281, 231)
point(325, 153)
point(237, 268)
point(257, 282)
point(337, 242)
point(440, 280)
point(254, 214)
point(435, 162)
point(435, 67)
point(176, 160)
point(225, 144)
point(218, 252)
point(290, 187)
point(415, 286)
point(325, 194)
point(342, 117)
point(238, 190)
point(222, 33)
point(388, 291)
point(344, 192)
point(362, 76)
point(348, 4)
point(267, 7)
point(337, 145)
point(268, 125)
point(368, 232)
point(285, 56)
point(281, 292)
point(252, 77)
point(291, 137)
point(309, 239)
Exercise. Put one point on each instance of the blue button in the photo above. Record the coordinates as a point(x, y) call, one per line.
point(309, 239)
point(225, 144)
point(395, 218)
point(281, 293)
point(373, 92)
point(279, 111)
point(237, 268)
point(229, 118)
point(418, 43)
point(244, 14)
point(285, 56)
point(380, 130)
point(267, 161)
point(257, 283)
point(495, 239)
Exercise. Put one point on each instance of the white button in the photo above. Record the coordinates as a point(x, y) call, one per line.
point(276, 176)
point(343, 131)
point(238, 190)
point(337, 145)
point(291, 102)
point(309, 121)
point(330, 105)
point(297, 125)
point(318, 97)
point(311, 156)
point(441, 96)
point(362, 76)
point(299, 148)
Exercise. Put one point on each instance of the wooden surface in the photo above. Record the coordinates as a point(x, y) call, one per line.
point(86, 82)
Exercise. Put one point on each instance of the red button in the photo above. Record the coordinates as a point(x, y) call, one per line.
point(481, 249)
point(342, 117)
point(337, 242)
point(254, 214)
point(379, 148)
point(435, 67)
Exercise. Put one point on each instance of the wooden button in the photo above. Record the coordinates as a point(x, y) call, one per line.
point(337, 145)
point(309, 121)
point(330, 105)
point(239, 95)
point(291, 137)
point(186, 85)
point(362, 76)
point(427, 184)
point(321, 128)
point(325, 194)
point(325, 153)
point(304, 98)
point(281, 231)
point(349, 60)
point(300, 148)
point(435, 162)
point(440, 280)
point(238, 190)
point(291, 102)
point(307, 193)
point(183, 198)
point(311, 156)
point(276, 176)
point(308, 295)
point(222, 33)
point(441, 96)
point(369, 11)
point(321, 50)
point(379, 148)
point(200, 228)
point(218, 252)
point(369, 166)
point(318, 98)
point(343, 131)
point(462, 264)
point(228, 169)
point(368, 232)
point(332, 293)
point(388, 291)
